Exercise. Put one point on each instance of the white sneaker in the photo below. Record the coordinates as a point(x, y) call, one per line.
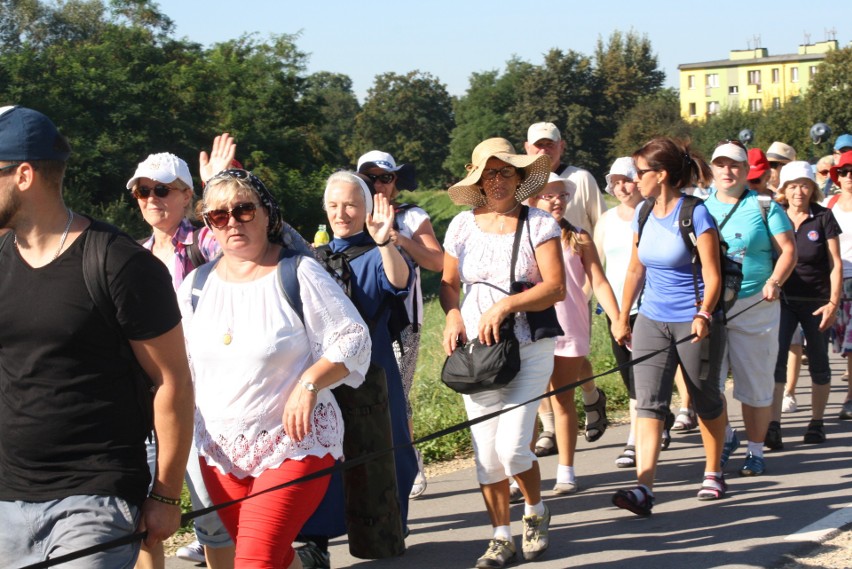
point(193, 552)
point(788, 404)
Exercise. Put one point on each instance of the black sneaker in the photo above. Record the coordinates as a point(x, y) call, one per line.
point(312, 557)
point(773, 436)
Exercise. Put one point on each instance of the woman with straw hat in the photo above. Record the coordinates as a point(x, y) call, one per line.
point(478, 253)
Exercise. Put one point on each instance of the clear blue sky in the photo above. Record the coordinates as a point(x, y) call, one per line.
point(452, 39)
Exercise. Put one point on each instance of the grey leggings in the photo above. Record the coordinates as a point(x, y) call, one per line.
point(654, 377)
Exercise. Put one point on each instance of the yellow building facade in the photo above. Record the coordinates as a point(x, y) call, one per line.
point(750, 80)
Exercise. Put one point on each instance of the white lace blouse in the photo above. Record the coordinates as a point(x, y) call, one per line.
point(241, 387)
point(485, 257)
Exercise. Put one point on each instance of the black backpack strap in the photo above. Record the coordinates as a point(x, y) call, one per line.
point(522, 218)
point(98, 237)
point(690, 240)
point(644, 211)
point(193, 252)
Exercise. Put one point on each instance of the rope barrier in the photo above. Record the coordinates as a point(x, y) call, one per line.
point(350, 463)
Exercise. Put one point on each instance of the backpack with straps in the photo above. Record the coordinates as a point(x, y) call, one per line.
point(732, 274)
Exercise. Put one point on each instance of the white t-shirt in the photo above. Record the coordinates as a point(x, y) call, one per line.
point(614, 240)
point(241, 387)
point(587, 204)
point(844, 219)
point(409, 221)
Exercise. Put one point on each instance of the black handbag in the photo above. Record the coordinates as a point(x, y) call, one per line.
point(476, 367)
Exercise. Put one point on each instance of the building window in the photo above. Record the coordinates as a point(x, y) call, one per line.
point(713, 107)
point(733, 90)
point(812, 70)
point(754, 77)
point(690, 81)
point(794, 74)
point(776, 75)
point(712, 79)
point(755, 105)
point(776, 102)
point(692, 112)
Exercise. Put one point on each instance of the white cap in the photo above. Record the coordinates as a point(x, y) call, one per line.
point(730, 150)
point(541, 130)
point(623, 166)
point(796, 170)
point(164, 168)
point(381, 159)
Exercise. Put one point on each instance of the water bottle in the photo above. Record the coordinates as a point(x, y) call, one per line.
point(321, 237)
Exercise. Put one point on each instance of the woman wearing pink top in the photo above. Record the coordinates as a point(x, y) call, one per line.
point(581, 262)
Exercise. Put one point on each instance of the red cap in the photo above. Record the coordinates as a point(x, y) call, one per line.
point(758, 162)
point(844, 160)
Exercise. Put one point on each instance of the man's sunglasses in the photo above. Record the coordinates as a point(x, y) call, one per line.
point(160, 190)
point(843, 172)
point(383, 178)
point(218, 218)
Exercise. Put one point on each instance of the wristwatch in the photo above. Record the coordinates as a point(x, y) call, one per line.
point(309, 386)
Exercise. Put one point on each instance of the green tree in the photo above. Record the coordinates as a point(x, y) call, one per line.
point(483, 112)
point(336, 107)
point(410, 116)
point(566, 92)
point(627, 70)
point(828, 98)
point(653, 115)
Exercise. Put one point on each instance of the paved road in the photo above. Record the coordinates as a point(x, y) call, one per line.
point(804, 484)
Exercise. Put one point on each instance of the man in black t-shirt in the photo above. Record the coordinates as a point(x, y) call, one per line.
point(73, 414)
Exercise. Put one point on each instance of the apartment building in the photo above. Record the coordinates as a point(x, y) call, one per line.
point(749, 79)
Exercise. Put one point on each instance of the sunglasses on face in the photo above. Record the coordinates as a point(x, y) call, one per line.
point(160, 190)
point(824, 172)
point(383, 178)
point(843, 172)
point(642, 171)
point(505, 172)
point(218, 218)
point(10, 166)
point(553, 197)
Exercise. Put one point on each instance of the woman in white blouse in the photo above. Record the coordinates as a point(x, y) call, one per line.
point(265, 414)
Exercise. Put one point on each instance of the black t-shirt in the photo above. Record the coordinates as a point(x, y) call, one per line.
point(812, 277)
point(71, 418)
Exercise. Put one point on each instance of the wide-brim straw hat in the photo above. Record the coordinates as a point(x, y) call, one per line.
point(536, 170)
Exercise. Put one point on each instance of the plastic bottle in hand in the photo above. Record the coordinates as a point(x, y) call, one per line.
point(321, 237)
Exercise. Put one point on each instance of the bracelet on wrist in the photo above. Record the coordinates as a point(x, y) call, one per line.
point(704, 315)
point(774, 282)
point(164, 500)
point(385, 243)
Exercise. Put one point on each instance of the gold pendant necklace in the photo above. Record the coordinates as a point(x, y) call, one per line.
point(228, 337)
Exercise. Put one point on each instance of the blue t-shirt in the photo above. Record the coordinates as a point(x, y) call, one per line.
point(669, 290)
point(748, 240)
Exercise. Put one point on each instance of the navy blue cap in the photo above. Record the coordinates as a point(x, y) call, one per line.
point(26, 134)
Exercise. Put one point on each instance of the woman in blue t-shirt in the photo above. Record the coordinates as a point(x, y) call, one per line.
point(677, 302)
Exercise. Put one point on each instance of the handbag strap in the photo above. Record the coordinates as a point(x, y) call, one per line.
point(522, 217)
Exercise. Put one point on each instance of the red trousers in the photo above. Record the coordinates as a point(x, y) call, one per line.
point(263, 528)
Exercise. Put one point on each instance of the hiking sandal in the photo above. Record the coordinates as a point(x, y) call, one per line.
point(595, 429)
point(815, 434)
point(627, 500)
point(545, 445)
point(627, 458)
point(685, 421)
point(713, 487)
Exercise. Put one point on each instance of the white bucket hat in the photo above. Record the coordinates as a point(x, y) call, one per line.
point(796, 170)
point(623, 166)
